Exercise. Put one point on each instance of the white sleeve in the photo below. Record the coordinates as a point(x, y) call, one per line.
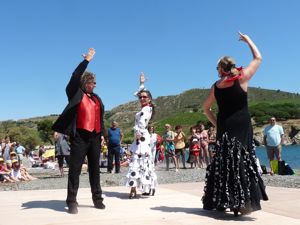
point(19, 175)
point(143, 120)
point(142, 87)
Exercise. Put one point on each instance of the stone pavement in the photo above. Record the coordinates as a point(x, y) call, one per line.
point(173, 204)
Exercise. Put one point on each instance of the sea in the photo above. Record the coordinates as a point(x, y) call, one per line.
point(290, 154)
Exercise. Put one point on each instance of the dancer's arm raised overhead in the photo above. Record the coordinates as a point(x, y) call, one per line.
point(250, 70)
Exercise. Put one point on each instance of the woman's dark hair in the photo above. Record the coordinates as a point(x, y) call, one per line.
point(178, 127)
point(151, 103)
point(149, 127)
point(193, 127)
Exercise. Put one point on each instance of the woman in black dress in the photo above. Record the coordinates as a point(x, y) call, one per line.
point(232, 179)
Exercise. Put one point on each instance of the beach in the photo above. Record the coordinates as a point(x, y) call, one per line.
point(290, 154)
point(49, 179)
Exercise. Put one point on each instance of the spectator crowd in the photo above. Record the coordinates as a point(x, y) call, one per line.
point(171, 147)
point(11, 162)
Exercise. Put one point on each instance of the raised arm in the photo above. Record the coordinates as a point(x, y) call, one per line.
point(250, 70)
point(142, 83)
point(207, 106)
point(74, 82)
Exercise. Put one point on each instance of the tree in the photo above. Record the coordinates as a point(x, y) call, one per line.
point(31, 141)
point(6, 125)
point(15, 134)
point(45, 130)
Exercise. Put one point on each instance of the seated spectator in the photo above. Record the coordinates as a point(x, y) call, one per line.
point(49, 164)
point(13, 155)
point(8, 164)
point(34, 160)
point(4, 173)
point(125, 159)
point(16, 172)
point(20, 173)
point(25, 174)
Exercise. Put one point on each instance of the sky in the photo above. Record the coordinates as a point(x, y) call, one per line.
point(176, 43)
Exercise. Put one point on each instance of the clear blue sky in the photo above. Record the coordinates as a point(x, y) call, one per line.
point(175, 42)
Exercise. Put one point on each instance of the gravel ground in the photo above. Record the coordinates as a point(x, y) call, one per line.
point(50, 179)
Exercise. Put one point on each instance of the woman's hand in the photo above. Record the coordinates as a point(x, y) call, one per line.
point(142, 78)
point(244, 37)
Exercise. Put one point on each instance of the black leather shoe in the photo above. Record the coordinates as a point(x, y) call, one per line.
point(72, 208)
point(99, 205)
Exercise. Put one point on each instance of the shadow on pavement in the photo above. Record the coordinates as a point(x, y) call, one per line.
point(120, 195)
point(56, 205)
point(208, 213)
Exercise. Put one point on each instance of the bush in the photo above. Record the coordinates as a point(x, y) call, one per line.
point(261, 112)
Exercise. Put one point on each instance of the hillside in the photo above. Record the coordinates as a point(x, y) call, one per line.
point(185, 109)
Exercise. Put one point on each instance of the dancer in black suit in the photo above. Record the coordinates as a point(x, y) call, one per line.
point(82, 120)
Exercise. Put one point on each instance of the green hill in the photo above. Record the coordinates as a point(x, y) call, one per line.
point(184, 109)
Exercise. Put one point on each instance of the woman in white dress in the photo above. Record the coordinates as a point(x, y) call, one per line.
point(141, 175)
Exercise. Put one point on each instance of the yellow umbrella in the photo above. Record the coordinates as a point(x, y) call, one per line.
point(49, 153)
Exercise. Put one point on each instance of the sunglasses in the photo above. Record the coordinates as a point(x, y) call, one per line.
point(143, 96)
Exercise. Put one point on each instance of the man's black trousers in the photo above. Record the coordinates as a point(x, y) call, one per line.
point(84, 144)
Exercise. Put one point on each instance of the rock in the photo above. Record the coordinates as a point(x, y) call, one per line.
point(296, 139)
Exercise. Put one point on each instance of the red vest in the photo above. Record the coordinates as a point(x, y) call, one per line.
point(88, 114)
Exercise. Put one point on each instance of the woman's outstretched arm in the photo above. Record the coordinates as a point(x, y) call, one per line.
point(250, 70)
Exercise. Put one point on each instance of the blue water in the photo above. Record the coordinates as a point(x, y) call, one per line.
point(290, 154)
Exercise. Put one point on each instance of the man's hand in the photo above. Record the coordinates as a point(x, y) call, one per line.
point(90, 55)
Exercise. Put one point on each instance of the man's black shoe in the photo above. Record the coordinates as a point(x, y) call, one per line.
point(99, 205)
point(72, 208)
